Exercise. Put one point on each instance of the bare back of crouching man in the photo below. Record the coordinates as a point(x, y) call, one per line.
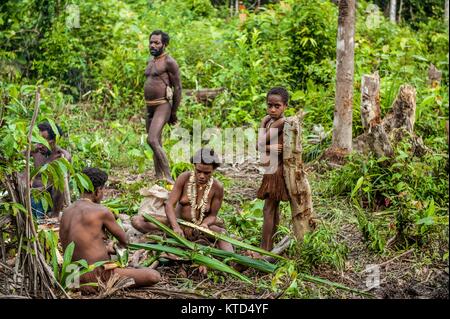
point(197, 188)
point(162, 91)
point(84, 223)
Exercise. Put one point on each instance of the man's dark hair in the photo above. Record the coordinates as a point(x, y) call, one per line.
point(206, 156)
point(97, 176)
point(164, 36)
point(45, 126)
point(281, 91)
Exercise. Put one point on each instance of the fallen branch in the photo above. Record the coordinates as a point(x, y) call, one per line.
point(396, 257)
point(176, 293)
point(333, 284)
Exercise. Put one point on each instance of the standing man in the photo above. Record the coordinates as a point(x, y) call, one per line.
point(162, 91)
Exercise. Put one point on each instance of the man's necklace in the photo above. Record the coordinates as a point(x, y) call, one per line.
point(192, 195)
point(86, 199)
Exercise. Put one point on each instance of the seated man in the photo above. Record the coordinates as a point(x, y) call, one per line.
point(197, 196)
point(84, 223)
point(42, 155)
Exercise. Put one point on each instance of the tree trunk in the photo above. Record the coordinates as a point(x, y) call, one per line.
point(399, 19)
point(295, 178)
point(342, 123)
point(446, 11)
point(392, 10)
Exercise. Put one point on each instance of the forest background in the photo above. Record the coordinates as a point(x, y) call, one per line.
point(88, 58)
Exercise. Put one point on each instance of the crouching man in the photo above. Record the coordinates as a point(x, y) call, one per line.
point(84, 223)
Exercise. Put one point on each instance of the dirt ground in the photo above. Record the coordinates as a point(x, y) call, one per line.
point(402, 274)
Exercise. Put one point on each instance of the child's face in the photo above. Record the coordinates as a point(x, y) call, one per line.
point(275, 106)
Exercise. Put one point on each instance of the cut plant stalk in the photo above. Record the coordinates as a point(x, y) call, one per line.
point(195, 257)
point(319, 280)
point(161, 248)
point(170, 232)
point(230, 240)
point(240, 259)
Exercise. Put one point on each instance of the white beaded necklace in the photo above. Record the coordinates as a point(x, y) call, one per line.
point(192, 195)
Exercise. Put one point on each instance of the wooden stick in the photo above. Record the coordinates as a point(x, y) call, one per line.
point(27, 159)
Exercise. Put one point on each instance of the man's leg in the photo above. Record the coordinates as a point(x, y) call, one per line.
point(148, 121)
point(142, 277)
point(160, 118)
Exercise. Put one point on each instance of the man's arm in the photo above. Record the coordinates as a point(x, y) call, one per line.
point(110, 224)
point(216, 203)
point(175, 81)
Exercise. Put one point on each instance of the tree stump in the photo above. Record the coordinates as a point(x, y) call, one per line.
point(295, 177)
point(381, 136)
point(370, 100)
point(434, 76)
point(204, 95)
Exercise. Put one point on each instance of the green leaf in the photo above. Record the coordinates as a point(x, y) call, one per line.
point(54, 129)
point(357, 186)
point(68, 253)
point(429, 220)
point(169, 231)
point(85, 182)
point(83, 263)
point(420, 58)
point(37, 138)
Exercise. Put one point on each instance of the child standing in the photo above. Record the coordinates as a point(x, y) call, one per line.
point(270, 143)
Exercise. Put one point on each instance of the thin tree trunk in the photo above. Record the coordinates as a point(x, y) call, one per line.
point(342, 123)
point(399, 19)
point(27, 160)
point(392, 10)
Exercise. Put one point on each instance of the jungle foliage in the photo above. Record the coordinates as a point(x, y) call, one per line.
point(91, 77)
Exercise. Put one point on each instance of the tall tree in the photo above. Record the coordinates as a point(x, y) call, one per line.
point(345, 54)
point(392, 10)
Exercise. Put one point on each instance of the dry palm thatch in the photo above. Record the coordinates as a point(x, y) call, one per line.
point(114, 284)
